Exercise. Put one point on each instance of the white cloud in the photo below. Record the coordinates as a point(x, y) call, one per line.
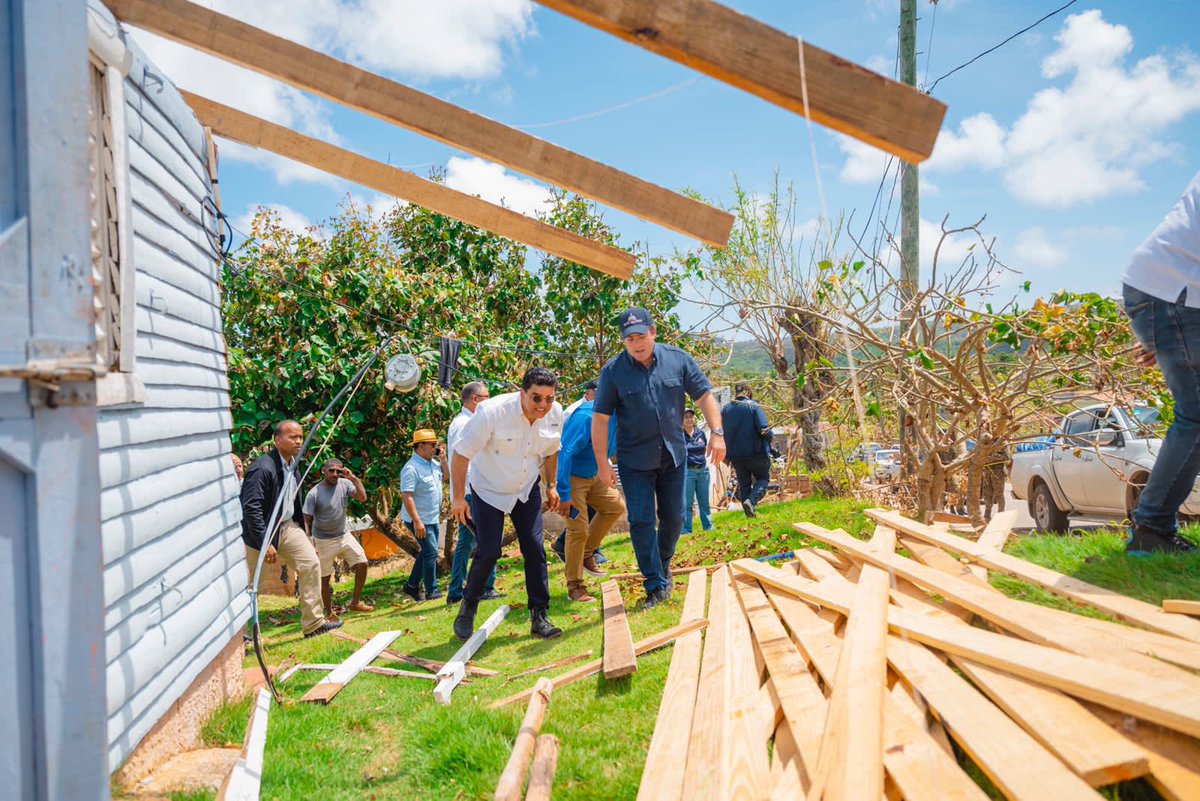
point(412, 40)
point(1077, 142)
point(1034, 248)
point(954, 249)
point(493, 183)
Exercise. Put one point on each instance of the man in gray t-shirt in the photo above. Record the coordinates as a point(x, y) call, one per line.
point(325, 520)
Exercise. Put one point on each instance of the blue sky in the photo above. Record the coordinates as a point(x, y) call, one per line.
point(1073, 139)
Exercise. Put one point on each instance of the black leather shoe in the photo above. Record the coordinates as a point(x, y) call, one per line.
point(325, 627)
point(539, 626)
point(655, 598)
point(464, 624)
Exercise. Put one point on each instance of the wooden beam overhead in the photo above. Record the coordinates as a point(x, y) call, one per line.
point(256, 132)
point(312, 71)
point(765, 62)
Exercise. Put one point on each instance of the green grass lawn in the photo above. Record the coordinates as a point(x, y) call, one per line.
point(386, 738)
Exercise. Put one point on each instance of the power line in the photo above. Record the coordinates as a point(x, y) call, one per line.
point(610, 109)
point(1058, 10)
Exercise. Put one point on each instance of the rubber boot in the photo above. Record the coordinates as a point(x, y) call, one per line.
point(464, 624)
point(539, 626)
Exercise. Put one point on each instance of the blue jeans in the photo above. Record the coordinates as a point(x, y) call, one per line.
point(753, 477)
point(462, 559)
point(425, 565)
point(660, 487)
point(1171, 331)
point(696, 489)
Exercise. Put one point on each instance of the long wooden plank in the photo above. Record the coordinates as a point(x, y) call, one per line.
point(702, 778)
point(914, 761)
point(324, 691)
point(770, 64)
point(1163, 701)
point(1181, 607)
point(512, 779)
point(619, 658)
point(1014, 761)
point(541, 773)
point(1114, 603)
point(1096, 753)
point(745, 767)
point(1174, 758)
point(431, 665)
point(567, 660)
point(786, 771)
point(1164, 646)
point(454, 671)
point(1029, 620)
point(666, 759)
point(804, 705)
point(258, 50)
point(852, 745)
point(641, 647)
point(245, 779)
point(997, 531)
point(256, 132)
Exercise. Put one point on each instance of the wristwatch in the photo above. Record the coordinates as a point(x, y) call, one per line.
point(718, 432)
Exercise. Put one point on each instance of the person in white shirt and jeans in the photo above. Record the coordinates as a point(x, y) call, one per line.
point(506, 453)
point(1162, 300)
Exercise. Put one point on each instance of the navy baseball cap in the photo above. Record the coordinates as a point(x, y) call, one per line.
point(635, 321)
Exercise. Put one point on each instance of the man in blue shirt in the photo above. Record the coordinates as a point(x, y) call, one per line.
point(579, 488)
point(748, 435)
point(1162, 299)
point(421, 481)
point(645, 386)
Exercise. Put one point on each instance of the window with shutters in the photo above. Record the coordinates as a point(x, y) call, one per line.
point(106, 222)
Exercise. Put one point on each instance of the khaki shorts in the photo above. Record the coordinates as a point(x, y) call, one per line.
point(344, 547)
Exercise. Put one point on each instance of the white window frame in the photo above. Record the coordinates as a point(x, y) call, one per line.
point(109, 55)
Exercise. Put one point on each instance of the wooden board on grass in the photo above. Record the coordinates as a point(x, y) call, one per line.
point(666, 759)
point(1181, 607)
point(324, 691)
point(245, 779)
point(745, 767)
point(619, 657)
point(428, 664)
point(456, 668)
point(1114, 603)
point(640, 647)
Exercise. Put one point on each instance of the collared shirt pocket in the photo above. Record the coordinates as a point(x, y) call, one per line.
point(505, 444)
point(549, 442)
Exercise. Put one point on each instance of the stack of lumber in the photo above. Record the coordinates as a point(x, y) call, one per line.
point(849, 673)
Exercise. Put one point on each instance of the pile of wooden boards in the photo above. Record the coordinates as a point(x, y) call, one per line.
point(847, 674)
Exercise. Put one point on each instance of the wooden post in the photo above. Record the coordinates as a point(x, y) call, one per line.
point(545, 762)
point(513, 777)
point(619, 657)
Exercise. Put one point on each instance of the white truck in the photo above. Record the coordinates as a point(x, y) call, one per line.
point(1096, 464)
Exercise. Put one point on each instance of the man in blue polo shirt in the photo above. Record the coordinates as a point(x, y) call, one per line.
point(749, 437)
point(644, 386)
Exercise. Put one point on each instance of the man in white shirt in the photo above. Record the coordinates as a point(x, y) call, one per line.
point(510, 443)
point(1162, 299)
point(473, 394)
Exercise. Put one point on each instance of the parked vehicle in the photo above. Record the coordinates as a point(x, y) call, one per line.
point(865, 452)
point(1096, 464)
point(885, 466)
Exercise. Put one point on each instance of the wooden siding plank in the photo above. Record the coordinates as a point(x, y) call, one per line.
point(161, 487)
point(255, 132)
point(1121, 606)
point(159, 97)
point(174, 374)
point(666, 758)
point(143, 710)
point(125, 575)
point(161, 228)
point(306, 69)
point(160, 396)
point(120, 465)
point(183, 331)
point(159, 159)
point(619, 658)
point(768, 63)
point(149, 425)
point(137, 529)
point(150, 346)
point(161, 298)
point(1169, 703)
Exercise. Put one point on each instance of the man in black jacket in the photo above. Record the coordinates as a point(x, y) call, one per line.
point(748, 440)
point(261, 488)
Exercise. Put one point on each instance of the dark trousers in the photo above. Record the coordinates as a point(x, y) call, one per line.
point(654, 536)
point(753, 477)
point(462, 559)
point(489, 533)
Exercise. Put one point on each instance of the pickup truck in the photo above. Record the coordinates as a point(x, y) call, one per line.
point(1096, 464)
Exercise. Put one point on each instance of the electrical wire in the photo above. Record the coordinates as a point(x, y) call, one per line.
point(994, 48)
point(610, 109)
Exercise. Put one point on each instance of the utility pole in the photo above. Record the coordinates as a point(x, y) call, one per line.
point(910, 201)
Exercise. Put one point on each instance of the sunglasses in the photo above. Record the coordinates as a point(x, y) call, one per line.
point(540, 399)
